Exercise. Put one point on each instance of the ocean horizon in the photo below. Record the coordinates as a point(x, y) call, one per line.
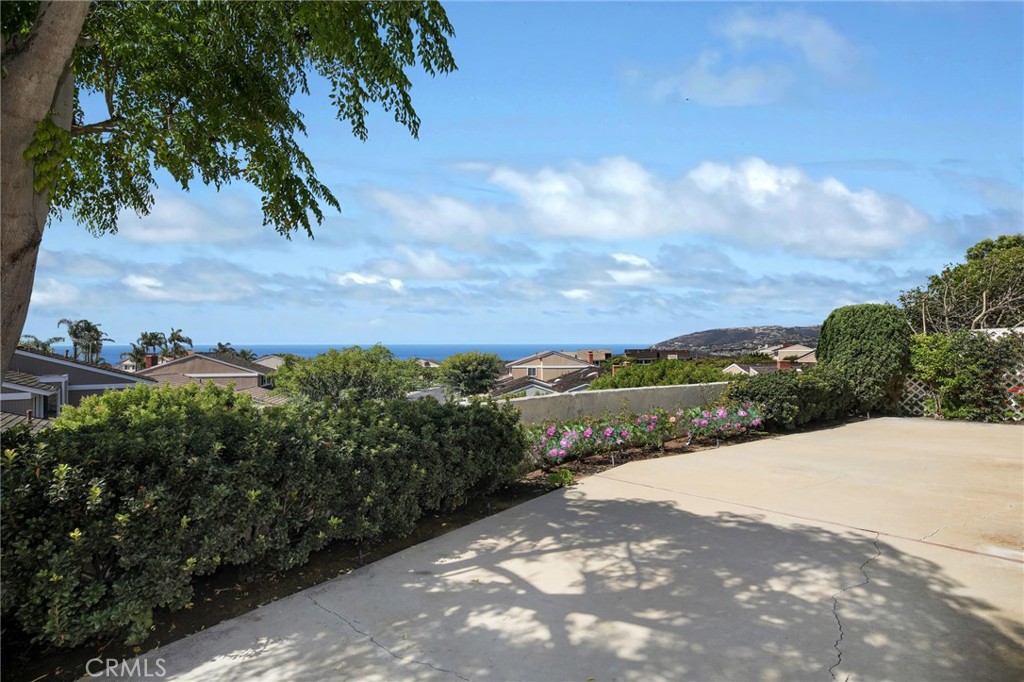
point(403, 351)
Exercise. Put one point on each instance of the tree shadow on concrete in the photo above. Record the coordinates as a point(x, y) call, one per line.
point(571, 587)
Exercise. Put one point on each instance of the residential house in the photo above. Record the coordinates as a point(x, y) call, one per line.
point(571, 382)
point(10, 421)
point(24, 394)
point(427, 363)
point(545, 365)
point(71, 379)
point(270, 361)
point(645, 356)
point(220, 368)
point(591, 356)
point(750, 370)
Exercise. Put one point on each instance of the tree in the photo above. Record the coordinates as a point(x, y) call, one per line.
point(137, 355)
point(98, 95)
point(86, 339)
point(228, 349)
point(870, 345)
point(152, 341)
point(987, 290)
point(30, 341)
point(352, 373)
point(175, 344)
point(470, 373)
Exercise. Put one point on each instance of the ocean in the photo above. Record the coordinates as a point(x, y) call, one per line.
point(402, 351)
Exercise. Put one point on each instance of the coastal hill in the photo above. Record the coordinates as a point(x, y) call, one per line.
point(741, 340)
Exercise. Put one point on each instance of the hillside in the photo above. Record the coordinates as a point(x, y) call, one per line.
point(741, 340)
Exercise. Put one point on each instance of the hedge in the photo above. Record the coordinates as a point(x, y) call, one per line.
point(113, 512)
point(791, 399)
point(870, 344)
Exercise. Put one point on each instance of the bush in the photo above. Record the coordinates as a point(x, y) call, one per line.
point(112, 512)
point(662, 373)
point(470, 373)
point(555, 443)
point(966, 373)
point(870, 345)
point(791, 399)
point(352, 373)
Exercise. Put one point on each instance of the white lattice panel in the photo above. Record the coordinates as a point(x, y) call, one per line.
point(916, 392)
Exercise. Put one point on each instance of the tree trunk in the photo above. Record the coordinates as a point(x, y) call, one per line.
point(38, 80)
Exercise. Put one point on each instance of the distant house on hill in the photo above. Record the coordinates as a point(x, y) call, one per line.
point(591, 356)
point(750, 370)
point(545, 365)
point(71, 380)
point(645, 356)
point(220, 368)
point(427, 362)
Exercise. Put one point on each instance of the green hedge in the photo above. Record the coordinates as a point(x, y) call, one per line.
point(112, 512)
point(797, 398)
point(966, 373)
point(870, 344)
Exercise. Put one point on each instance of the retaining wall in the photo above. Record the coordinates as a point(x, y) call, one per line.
point(537, 409)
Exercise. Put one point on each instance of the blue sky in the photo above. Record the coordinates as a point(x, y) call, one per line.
point(602, 172)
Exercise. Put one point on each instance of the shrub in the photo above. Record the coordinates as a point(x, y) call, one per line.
point(966, 373)
point(662, 373)
point(470, 373)
point(555, 443)
point(721, 422)
point(870, 345)
point(352, 373)
point(112, 512)
point(792, 399)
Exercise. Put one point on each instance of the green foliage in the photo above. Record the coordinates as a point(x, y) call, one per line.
point(870, 345)
point(965, 372)
point(791, 399)
point(561, 478)
point(470, 373)
point(987, 290)
point(45, 345)
point(352, 373)
point(663, 373)
point(112, 512)
point(205, 90)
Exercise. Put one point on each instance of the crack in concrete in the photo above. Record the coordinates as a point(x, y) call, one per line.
point(934, 532)
point(835, 608)
point(380, 646)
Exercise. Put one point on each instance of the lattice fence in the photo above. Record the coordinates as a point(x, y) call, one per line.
point(916, 392)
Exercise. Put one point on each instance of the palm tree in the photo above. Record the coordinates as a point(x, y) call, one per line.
point(152, 341)
point(176, 343)
point(86, 338)
point(226, 348)
point(30, 341)
point(246, 354)
point(137, 355)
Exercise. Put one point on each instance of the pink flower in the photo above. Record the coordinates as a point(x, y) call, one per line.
point(551, 431)
point(608, 432)
point(672, 420)
point(588, 433)
point(624, 434)
point(741, 413)
point(650, 427)
point(721, 413)
point(703, 422)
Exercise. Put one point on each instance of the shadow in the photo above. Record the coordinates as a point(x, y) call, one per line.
point(573, 587)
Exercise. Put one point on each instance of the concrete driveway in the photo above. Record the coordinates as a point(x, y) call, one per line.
point(887, 549)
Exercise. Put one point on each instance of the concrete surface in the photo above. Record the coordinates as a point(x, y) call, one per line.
point(561, 406)
point(883, 550)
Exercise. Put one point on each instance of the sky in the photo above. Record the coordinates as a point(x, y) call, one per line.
point(606, 172)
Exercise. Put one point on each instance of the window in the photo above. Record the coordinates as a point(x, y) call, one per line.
point(531, 371)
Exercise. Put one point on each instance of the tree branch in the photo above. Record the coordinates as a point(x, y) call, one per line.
point(108, 126)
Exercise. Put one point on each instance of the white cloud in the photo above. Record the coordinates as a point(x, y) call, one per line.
point(727, 76)
point(749, 202)
point(176, 219)
point(707, 82)
point(631, 259)
point(436, 219)
point(192, 281)
point(576, 294)
point(51, 292)
point(822, 46)
point(359, 279)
